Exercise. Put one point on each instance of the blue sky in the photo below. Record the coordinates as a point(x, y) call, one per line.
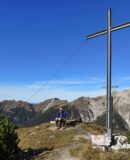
point(37, 37)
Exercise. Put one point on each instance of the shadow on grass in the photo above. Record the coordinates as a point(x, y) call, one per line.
point(30, 153)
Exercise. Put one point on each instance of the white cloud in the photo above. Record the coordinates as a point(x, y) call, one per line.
point(78, 82)
point(124, 79)
point(90, 80)
point(57, 88)
point(23, 92)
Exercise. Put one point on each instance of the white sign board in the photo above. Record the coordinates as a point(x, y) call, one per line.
point(100, 140)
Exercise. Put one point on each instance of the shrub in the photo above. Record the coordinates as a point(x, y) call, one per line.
point(8, 140)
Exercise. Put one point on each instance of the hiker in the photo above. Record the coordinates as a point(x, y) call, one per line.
point(60, 119)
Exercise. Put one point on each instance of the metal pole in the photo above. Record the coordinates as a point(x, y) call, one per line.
point(109, 54)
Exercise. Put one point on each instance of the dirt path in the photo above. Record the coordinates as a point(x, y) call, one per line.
point(61, 154)
point(65, 154)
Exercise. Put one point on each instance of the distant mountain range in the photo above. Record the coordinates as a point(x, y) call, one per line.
point(85, 108)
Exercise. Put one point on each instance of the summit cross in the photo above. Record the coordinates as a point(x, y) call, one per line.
point(109, 98)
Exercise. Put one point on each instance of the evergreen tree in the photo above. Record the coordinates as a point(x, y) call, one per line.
point(8, 140)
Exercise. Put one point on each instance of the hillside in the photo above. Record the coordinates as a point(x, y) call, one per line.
point(85, 108)
point(44, 142)
point(118, 122)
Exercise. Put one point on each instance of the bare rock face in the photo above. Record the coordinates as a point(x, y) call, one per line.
point(122, 104)
point(90, 108)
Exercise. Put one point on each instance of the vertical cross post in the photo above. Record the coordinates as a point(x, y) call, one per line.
point(109, 59)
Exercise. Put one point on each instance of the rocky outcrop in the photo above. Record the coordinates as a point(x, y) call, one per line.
point(90, 108)
point(122, 104)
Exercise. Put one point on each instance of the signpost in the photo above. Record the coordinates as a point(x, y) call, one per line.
point(109, 31)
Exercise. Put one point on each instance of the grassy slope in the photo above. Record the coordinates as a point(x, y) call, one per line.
point(55, 141)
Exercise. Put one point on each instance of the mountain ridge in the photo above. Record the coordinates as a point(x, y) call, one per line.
point(85, 108)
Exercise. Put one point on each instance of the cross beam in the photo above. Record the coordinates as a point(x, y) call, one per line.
point(105, 31)
point(109, 98)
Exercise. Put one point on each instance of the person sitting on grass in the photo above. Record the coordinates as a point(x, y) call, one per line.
point(60, 119)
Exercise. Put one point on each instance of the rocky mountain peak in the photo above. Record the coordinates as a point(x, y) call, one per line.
point(54, 102)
